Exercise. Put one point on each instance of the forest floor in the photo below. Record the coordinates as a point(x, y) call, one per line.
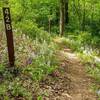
point(70, 81)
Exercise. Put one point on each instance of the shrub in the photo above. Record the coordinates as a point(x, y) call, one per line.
point(43, 64)
point(94, 71)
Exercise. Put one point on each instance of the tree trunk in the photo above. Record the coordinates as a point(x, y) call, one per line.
point(62, 17)
point(66, 12)
point(84, 15)
point(93, 10)
point(49, 25)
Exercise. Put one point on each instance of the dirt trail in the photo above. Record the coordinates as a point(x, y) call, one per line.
point(70, 82)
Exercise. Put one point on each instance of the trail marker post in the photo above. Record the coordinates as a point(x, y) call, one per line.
point(9, 35)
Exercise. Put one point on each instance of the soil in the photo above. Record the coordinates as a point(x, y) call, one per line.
point(70, 81)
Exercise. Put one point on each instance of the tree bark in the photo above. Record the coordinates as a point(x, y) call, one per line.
point(62, 17)
point(66, 12)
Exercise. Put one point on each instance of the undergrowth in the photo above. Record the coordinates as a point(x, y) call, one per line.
point(35, 60)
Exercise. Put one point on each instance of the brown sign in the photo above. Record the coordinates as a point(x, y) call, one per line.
point(9, 35)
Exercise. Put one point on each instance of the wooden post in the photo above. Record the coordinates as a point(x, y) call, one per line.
point(9, 35)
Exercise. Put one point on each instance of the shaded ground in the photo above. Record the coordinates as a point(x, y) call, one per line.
point(70, 82)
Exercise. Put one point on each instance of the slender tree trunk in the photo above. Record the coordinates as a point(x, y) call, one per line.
point(84, 15)
point(62, 18)
point(49, 25)
point(66, 12)
point(79, 14)
point(93, 9)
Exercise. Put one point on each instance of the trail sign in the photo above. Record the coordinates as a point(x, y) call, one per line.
point(9, 35)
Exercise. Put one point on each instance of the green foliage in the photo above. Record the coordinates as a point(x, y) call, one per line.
point(84, 13)
point(83, 41)
point(3, 89)
point(2, 68)
point(94, 71)
point(14, 89)
point(39, 98)
point(43, 36)
point(17, 89)
point(44, 63)
point(28, 15)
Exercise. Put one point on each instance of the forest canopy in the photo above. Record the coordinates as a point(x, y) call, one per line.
point(84, 15)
